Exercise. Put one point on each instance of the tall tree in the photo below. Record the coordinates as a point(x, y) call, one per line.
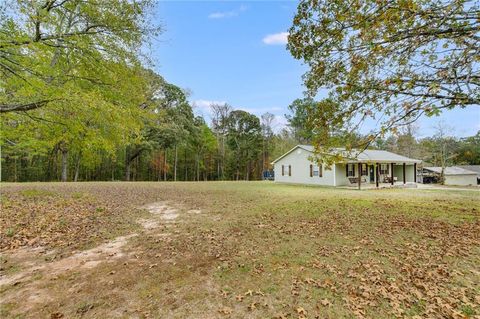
point(388, 61)
point(169, 123)
point(203, 142)
point(89, 122)
point(469, 150)
point(50, 49)
point(245, 140)
point(267, 135)
point(298, 120)
point(220, 114)
point(406, 141)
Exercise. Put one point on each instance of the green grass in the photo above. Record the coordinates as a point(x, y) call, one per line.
point(35, 193)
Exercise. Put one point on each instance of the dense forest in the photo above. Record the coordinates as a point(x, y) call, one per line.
point(172, 144)
point(80, 101)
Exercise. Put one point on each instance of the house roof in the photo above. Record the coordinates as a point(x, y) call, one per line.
point(377, 156)
point(453, 170)
point(473, 168)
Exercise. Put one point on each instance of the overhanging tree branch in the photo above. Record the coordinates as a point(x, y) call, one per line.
point(5, 108)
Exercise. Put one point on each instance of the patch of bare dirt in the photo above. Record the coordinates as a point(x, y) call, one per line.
point(161, 213)
point(30, 258)
point(162, 210)
point(82, 260)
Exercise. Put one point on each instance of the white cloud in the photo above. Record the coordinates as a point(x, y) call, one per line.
point(280, 123)
point(276, 38)
point(205, 104)
point(227, 14)
point(220, 15)
point(261, 110)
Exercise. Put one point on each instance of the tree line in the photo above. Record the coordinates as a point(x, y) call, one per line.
point(171, 144)
point(175, 145)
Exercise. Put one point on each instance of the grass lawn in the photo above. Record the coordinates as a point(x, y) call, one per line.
point(237, 250)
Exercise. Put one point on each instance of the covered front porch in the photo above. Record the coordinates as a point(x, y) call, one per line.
point(366, 175)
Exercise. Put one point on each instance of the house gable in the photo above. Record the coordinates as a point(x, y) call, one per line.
point(295, 166)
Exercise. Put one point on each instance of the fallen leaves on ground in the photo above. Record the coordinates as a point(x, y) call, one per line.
point(258, 250)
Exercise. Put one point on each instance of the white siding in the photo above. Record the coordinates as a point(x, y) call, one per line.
point(461, 180)
point(336, 176)
point(341, 175)
point(409, 173)
point(298, 159)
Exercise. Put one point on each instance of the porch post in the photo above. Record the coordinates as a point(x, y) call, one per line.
point(376, 174)
point(415, 172)
point(404, 174)
point(391, 173)
point(359, 176)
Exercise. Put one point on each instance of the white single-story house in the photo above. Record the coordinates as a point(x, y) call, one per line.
point(453, 175)
point(367, 167)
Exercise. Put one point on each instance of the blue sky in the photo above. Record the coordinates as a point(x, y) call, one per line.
point(234, 52)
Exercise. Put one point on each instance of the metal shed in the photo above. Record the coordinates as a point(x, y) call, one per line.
point(453, 175)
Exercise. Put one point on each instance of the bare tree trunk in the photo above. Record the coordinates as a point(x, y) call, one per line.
point(64, 164)
point(127, 165)
point(127, 171)
point(165, 165)
point(218, 167)
point(263, 156)
point(129, 159)
point(135, 170)
point(222, 166)
point(55, 163)
point(185, 163)
point(197, 167)
point(15, 176)
point(175, 164)
point(77, 167)
point(238, 171)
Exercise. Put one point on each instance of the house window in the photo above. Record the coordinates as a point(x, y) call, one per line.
point(350, 170)
point(316, 170)
point(364, 169)
point(286, 170)
point(384, 169)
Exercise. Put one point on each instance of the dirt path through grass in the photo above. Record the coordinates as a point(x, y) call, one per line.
point(41, 270)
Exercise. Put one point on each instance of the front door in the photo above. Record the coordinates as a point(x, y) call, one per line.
point(372, 174)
